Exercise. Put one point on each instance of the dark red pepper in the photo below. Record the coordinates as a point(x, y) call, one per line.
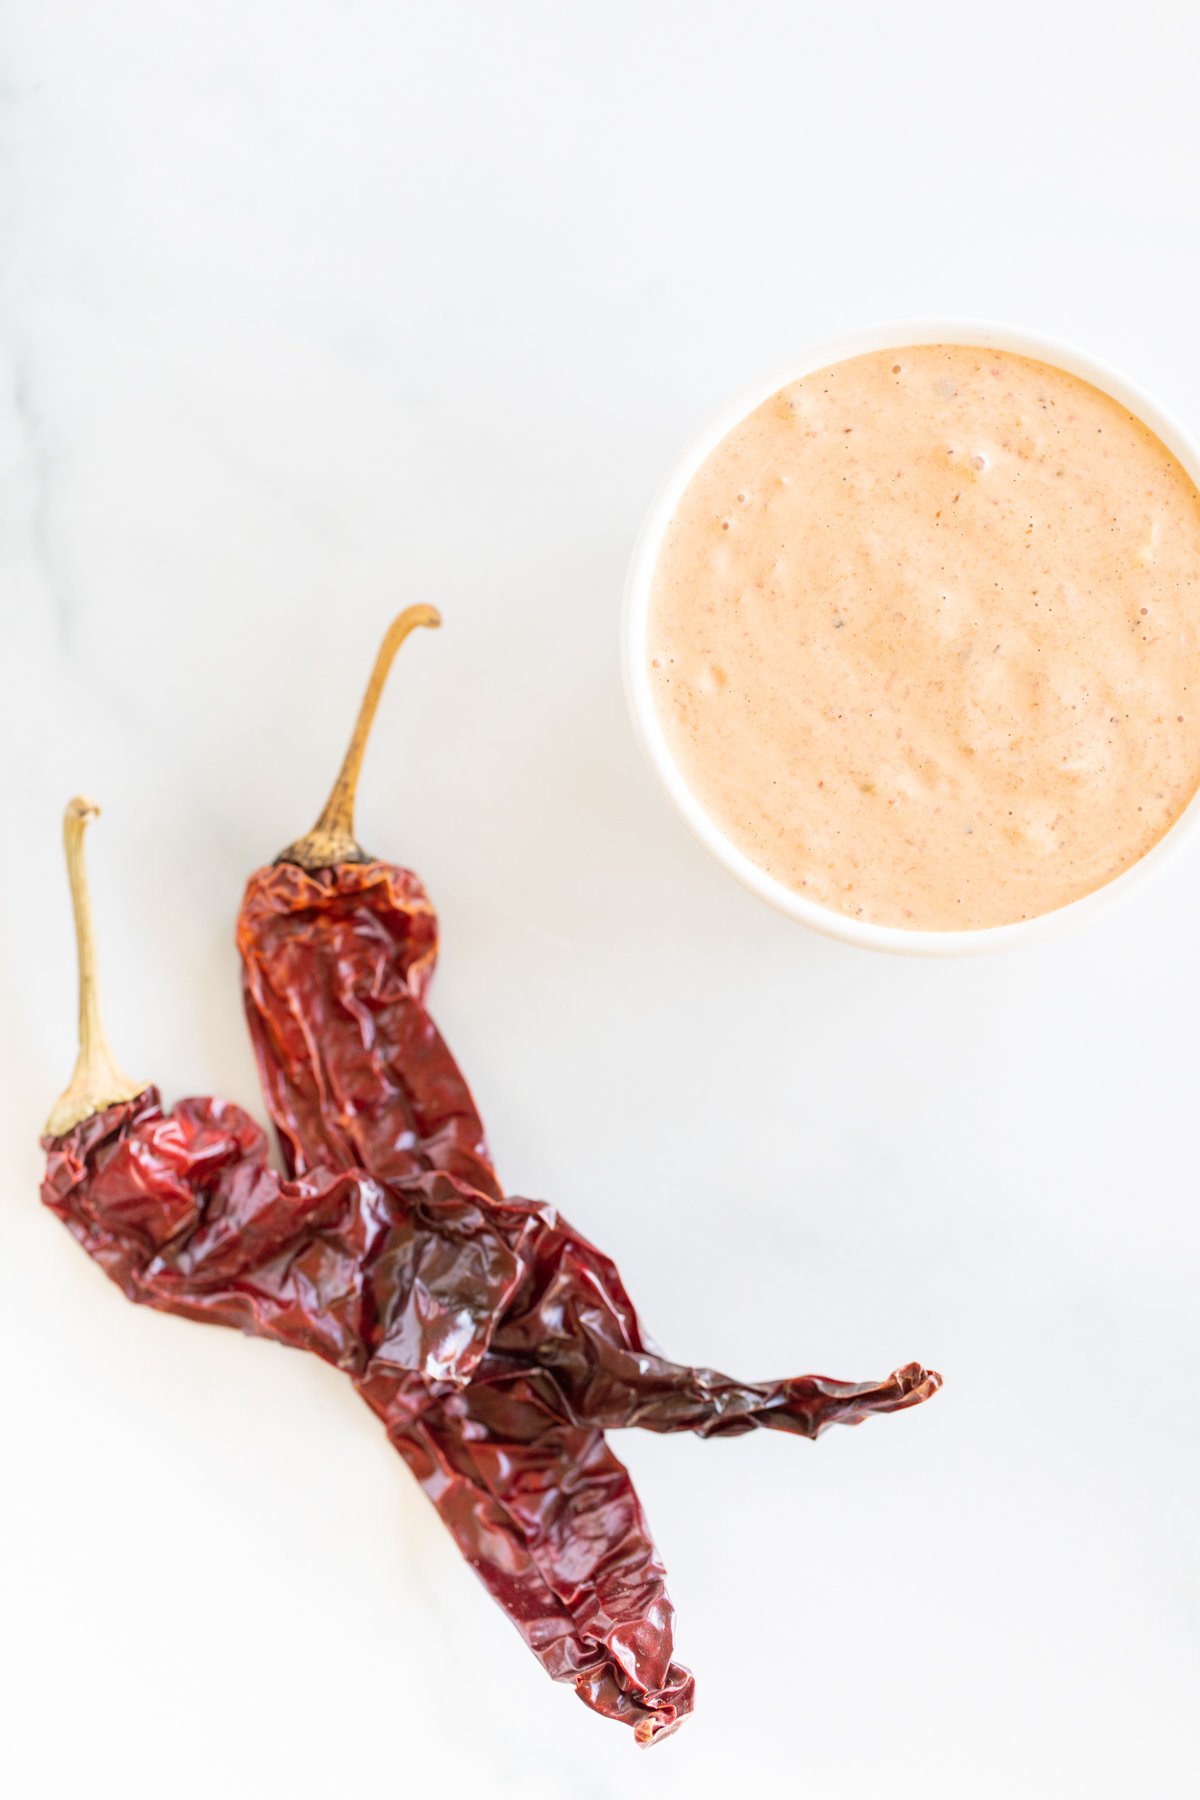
point(338, 951)
point(400, 1284)
point(494, 1341)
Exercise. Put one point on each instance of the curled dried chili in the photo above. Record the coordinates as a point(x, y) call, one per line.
point(495, 1342)
point(401, 1283)
point(338, 950)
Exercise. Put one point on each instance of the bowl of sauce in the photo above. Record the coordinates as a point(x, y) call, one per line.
point(912, 636)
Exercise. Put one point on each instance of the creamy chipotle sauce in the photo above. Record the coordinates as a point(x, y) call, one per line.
point(924, 637)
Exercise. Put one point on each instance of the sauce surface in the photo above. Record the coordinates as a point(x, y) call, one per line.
point(924, 637)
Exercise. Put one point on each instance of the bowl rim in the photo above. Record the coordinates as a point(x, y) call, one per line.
point(896, 334)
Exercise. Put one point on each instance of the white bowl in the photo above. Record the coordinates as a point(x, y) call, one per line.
point(637, 602)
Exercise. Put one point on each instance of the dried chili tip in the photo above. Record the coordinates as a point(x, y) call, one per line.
point(97, 1081)
point(915, 1383)
point(907, 1386)
point(910, 1385)
point(332, 838)
point(654, 1714)
point(657, 1726)
point(668, 1708)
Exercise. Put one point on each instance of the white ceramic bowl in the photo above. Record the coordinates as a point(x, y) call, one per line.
point(637, 602)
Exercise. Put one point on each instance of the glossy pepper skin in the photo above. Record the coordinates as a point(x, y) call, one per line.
point(401, 1285)
point(338, 950)
point(336, 969)
point(494, 1342)
point(398, 1283)
point(335, 966)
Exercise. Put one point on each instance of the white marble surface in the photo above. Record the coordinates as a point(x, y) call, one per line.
point(309, 310)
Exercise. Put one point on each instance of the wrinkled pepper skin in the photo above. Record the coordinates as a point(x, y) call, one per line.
point(336, 968)
point(335, 965)
point(548, 1518)
point(400, 1285)
point(403, 1281)
point(495, 1343)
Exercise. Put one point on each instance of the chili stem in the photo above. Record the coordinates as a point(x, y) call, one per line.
point(332, 838)
point(97, 1081)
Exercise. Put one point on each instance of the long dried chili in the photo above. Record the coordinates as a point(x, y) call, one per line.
point(338, 951)
point(495, 1342)
point(401, 1284)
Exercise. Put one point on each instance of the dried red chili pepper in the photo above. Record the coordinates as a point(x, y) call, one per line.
point(487, 1370)
point(182, 1213)
point(338, 952)
point(401, 1284)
